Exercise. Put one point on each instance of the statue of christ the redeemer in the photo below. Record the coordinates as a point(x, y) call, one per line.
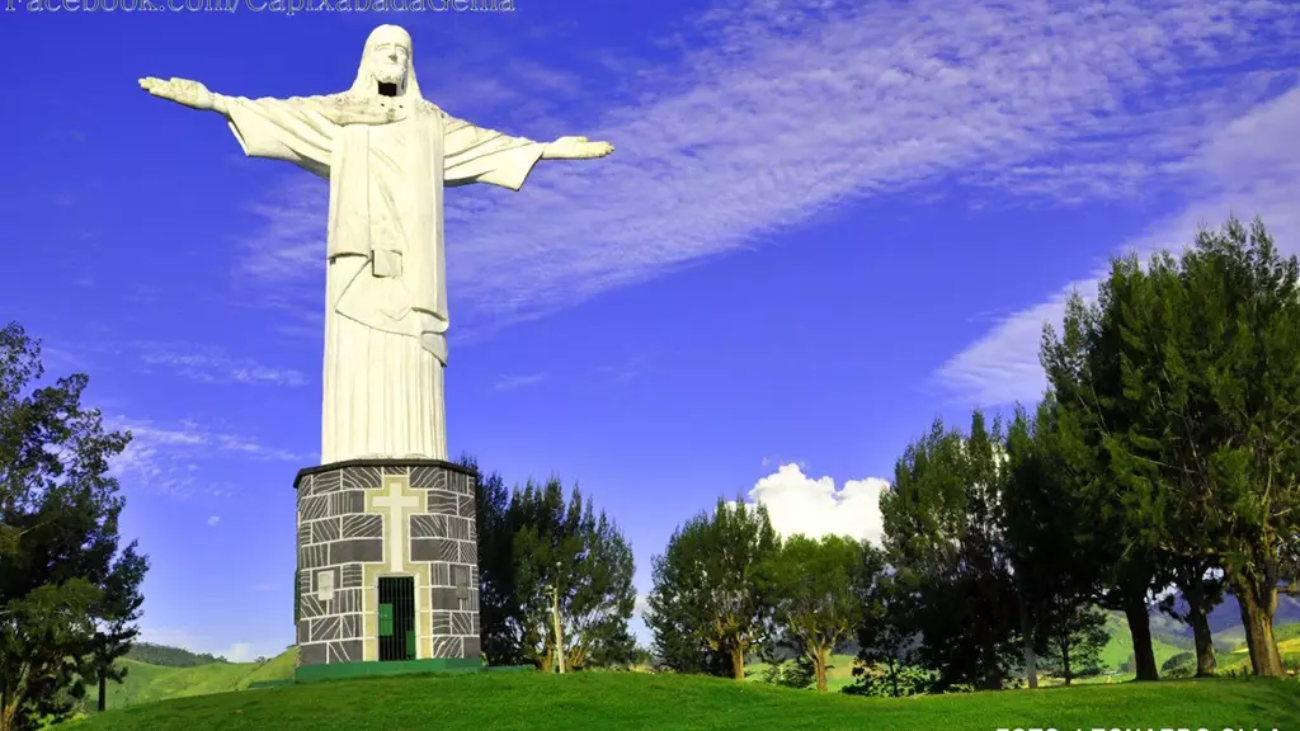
point(387, 153)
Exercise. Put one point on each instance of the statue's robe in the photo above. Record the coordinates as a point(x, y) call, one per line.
point(387, 161)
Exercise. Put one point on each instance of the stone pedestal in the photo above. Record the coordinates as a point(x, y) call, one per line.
point(363, 520)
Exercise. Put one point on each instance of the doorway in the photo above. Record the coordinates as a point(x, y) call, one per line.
point(396, 618)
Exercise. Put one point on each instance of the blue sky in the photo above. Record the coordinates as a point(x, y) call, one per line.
point(820, 230)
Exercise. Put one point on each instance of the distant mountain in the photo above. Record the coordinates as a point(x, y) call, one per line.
point(1227, 616)
point(170, 657)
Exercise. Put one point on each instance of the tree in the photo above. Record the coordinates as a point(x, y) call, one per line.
point(45, 631)
point(59, 510)
point(499, 612)
point(942, 521)
point(1181, 665)
point(572, 579)
point(1186, 376)
point(1053, 574)
point(708, 600)
point(798, 673)
point(1200, 591)
point(1117, 489)
point(116, 613)
point(1245, 325)
point(1075, 637)
point(1170, 431)
point(887, 662)
point(811, 583)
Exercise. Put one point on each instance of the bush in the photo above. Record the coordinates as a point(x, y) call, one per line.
point(1182, 665)
point(877, 680)
point(797, 673)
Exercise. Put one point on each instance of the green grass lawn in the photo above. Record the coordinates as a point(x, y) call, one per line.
point(616, 701)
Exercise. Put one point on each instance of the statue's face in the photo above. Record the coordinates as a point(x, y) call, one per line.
point(389, 60)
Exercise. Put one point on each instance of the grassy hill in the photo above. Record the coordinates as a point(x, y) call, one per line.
point(626, 701)
point(147, 683)
point(1288, 644)
point(1119, 650)
point(168, 656)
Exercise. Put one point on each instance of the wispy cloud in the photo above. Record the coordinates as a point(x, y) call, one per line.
point(1250, 167)
point(214, 520)
point(509, 383)
point(167, 459)
point(204, 644)
point(770, 115)
point(210, 364)
point(627, 371)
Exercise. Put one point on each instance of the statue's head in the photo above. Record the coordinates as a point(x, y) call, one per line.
point(387, 60)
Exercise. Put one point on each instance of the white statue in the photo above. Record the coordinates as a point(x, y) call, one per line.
point(388, 153)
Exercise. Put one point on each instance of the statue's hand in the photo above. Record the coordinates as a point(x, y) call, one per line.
point(576, 148)
point(182, 91)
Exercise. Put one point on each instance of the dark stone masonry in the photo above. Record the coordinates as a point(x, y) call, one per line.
point(345, 511)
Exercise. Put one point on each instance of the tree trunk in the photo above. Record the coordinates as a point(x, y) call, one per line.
point(1257, 618)
point(1199, 618)
point(819, 665)
point(8, 711)
point(1139, 627)
point(103, 692)
point(1027, 631)
point(738, 662)
point(555, 619)
point(1065, 663)
point(544, 660)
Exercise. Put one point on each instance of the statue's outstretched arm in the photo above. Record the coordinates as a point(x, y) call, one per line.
point(575, 148)
point(276, 129)
point(192, 94)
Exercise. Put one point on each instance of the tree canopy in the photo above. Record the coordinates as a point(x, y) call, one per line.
point(68, 589)
point(709, 600)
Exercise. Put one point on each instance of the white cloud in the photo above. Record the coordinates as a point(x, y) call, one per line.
point(771, 114)
point(797, 503)
point(214, 520)
point(1249, 167)
point(164, 458)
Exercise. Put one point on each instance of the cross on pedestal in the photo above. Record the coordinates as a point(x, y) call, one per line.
point(397, 504)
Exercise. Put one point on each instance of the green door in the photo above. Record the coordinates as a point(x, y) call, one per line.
point(396, 618)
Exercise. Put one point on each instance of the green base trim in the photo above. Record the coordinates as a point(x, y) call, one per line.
point(347, 670)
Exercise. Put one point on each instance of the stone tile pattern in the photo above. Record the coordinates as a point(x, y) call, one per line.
point(336, 536)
